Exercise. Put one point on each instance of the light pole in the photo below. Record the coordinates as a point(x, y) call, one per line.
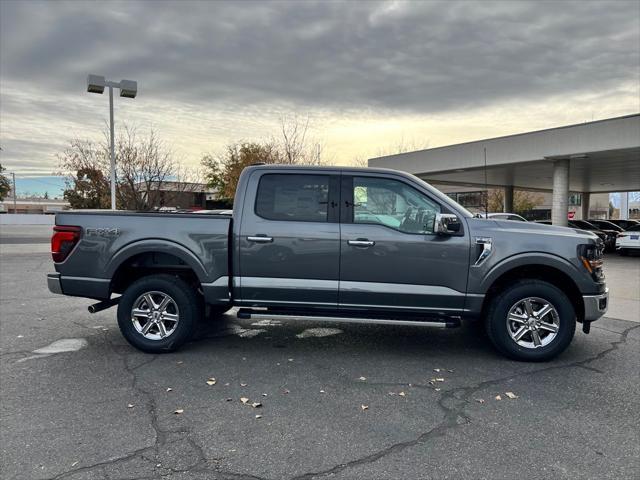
point(128, 89)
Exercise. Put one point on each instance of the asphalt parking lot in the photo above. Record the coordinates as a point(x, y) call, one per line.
point(337, 401)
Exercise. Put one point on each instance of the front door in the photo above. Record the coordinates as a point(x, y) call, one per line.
point(390, 256)
point(290, 240)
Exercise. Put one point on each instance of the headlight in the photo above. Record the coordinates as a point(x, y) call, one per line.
point(591, 257)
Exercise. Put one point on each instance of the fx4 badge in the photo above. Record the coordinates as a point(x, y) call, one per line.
point(102, 232)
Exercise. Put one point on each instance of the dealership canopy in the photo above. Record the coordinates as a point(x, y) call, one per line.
point(591, 157)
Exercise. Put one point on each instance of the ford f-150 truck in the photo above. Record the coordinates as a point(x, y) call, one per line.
point(334, 244)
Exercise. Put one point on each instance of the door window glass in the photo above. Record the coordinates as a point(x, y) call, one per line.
point(293, 197)
point(394, 204)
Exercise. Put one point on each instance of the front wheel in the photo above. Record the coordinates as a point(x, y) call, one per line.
point(158, 313)
point(531, 320)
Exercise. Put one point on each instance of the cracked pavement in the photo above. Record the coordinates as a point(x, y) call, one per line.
point(67, 415)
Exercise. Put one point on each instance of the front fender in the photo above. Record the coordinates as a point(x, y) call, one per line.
point(484, 282)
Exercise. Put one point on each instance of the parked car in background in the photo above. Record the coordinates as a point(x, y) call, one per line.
point(506, 216)
point(608, 240)
point(628, 241)
point(606, 225)
point(625, 224)
point(609, 237)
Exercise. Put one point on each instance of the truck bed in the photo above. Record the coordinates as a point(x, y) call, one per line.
point(110, 239)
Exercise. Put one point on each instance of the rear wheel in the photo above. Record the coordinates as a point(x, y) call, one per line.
point(531, 320)
point(158, 313)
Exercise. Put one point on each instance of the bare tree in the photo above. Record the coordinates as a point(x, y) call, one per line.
point(145, 167)
point(297, 148)
point(403, 145)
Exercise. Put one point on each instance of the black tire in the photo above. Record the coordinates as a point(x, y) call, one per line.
point(623, 252)
point(498, 329)
point(183, 297)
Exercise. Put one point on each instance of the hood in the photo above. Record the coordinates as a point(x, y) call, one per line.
point(530, 228)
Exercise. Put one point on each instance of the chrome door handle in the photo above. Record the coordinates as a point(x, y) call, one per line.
point(361, 242)
point(260, 239)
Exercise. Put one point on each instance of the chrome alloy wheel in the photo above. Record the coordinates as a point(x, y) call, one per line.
point(533, 322)
point(155, 315)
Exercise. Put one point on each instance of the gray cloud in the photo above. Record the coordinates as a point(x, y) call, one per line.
point(224, 68)
point(422, 57)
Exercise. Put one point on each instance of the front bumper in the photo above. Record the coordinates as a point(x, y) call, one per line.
point(54, 284)
point(595, 306)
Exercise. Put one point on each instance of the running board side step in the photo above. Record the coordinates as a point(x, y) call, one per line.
point(246, 314)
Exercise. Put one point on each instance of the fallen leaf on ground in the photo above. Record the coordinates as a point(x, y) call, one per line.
point(228, 399)
point(362, 378)
point(322, 391)
point(402, 394)
point(290, 359)
point(364, 407)
point(511, 395)
point(169, 389)
point(256, 404)
point(437, 369)
point(392, 393)
point(258, 416)
point(244, 400)
point(479, 400)
point(450, 371)
point(243, 384)
point(439, 379)
point(74, 464)
point(264, 394)
point(179, 411)
point(130, 405)
point(437, 389)
point(179, 362)
point(211, 381)
point(498, 397)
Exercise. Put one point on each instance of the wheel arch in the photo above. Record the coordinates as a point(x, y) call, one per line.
point(144, 258)
point(549, 272)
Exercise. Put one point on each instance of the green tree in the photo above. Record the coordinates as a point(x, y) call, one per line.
point(5, 185)
point(293, 146)
point(222, 172)
point(88, 189)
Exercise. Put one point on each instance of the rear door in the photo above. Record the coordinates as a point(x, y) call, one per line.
point(290, 239)
point(390, 257)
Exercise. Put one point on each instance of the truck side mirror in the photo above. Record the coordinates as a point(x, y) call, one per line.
point(447, 224)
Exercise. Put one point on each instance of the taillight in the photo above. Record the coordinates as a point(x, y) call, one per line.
point(63, 240)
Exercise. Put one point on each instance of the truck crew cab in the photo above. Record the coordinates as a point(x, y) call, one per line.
point(334, 244)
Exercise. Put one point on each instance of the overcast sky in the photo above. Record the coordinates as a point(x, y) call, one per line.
point(369, 74)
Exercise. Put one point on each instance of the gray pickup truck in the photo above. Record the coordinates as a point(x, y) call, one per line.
point(334, 244)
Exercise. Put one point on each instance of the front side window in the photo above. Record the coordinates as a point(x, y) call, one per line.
point(293, 197)
point(394, 204)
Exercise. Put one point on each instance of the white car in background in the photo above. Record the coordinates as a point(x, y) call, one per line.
point(628, 240)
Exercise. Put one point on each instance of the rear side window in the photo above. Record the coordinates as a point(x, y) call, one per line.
point(293, 197)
